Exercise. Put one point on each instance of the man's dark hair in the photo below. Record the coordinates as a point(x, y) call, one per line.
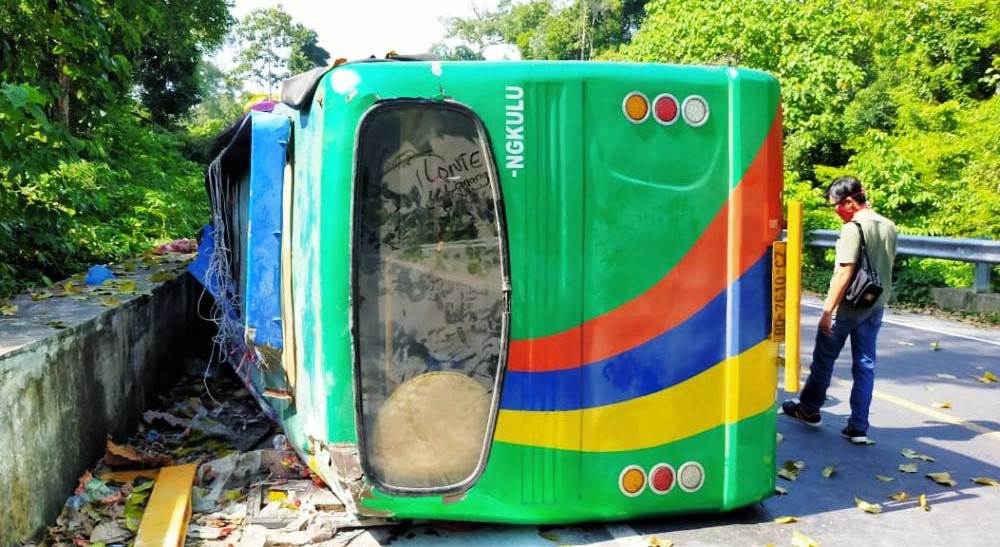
point(846, 187)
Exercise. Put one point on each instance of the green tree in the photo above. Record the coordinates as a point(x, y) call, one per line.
point(84, 176)
point(265, 38)
point(460, 52)
point(541, 29)
point(167, 67)
point(273, 47)
point(306, 53)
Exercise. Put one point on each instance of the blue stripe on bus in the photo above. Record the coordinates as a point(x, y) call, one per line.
point(669, 359)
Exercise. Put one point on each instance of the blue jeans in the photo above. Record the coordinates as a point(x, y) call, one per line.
point(862, 326)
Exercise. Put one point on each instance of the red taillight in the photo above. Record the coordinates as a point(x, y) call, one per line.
point(665, 108)
point(661, 478)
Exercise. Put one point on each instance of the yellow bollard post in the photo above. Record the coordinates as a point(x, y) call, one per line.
point(793, 296)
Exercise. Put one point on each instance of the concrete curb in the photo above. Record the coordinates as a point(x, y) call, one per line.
point(62, 392)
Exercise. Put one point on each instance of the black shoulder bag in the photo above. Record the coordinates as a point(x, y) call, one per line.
point(865, 286)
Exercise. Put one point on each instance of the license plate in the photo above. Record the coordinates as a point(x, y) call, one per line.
point(778, 290)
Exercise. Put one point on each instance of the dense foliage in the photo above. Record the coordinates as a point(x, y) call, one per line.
point(902, 94)
point(541, 29)
point(89, 170)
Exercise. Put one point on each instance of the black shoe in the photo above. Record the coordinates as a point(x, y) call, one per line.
point(794, 410)
point(855, 436)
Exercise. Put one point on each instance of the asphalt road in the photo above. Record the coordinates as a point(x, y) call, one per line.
point(912, 377)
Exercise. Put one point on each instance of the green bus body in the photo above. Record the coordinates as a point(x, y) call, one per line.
point(630, 285)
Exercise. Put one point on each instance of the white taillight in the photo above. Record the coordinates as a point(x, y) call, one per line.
point(695, 111)
point(690, 476)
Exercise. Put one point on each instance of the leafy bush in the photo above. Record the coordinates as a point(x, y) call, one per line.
point(68, 202)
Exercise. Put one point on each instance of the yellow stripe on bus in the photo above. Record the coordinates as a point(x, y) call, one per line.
point(691, 407)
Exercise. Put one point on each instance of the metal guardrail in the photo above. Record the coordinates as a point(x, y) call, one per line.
point(981, 252)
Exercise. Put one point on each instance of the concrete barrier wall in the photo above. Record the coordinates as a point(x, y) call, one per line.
point(63, 392)
point(966, 300)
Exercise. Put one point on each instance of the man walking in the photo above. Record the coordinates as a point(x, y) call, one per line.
point(841, 319)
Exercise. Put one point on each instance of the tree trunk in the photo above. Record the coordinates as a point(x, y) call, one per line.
point(63, 103)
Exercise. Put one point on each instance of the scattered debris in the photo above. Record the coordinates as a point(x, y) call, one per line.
point(98, 274)
point(183, 246)
point(240, 490)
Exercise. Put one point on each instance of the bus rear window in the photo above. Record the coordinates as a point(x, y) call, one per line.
point(428, 296)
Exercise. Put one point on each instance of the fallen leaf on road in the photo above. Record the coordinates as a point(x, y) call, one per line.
point(70, 288)
point(778, 438)
point(40, 295)
point(124, 455)
point(780, 491)
point(10, 309)
point(655, 542)
point(872, 508)
point(943, 478)
point(56, 324)
point(923, 502)
point(945, 404)
point(935, 346)
point(948, 376)
point(788, 475)
point(900, 496)
point(160, 277)
point(827, 472)
point(908, 467)
point(883, 478)
point(985, 480)
point(801, 540)
point(109, 302)
point(987, 378)
point(785, 520)
point(127, 287)
point(914, 455)
point(550, 536)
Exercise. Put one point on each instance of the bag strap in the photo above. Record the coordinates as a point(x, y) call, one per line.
point(863, 253)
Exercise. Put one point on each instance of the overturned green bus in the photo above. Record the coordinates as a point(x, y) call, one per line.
point(530, 292)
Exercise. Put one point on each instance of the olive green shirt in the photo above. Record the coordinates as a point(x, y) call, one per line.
point(880, 238)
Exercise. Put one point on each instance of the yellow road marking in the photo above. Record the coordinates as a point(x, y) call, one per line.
point(984, 431)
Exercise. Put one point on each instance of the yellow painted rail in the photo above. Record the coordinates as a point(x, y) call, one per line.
point(165, 521)
point(793, 296)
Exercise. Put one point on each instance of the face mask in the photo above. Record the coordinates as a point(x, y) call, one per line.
point(843, 213)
